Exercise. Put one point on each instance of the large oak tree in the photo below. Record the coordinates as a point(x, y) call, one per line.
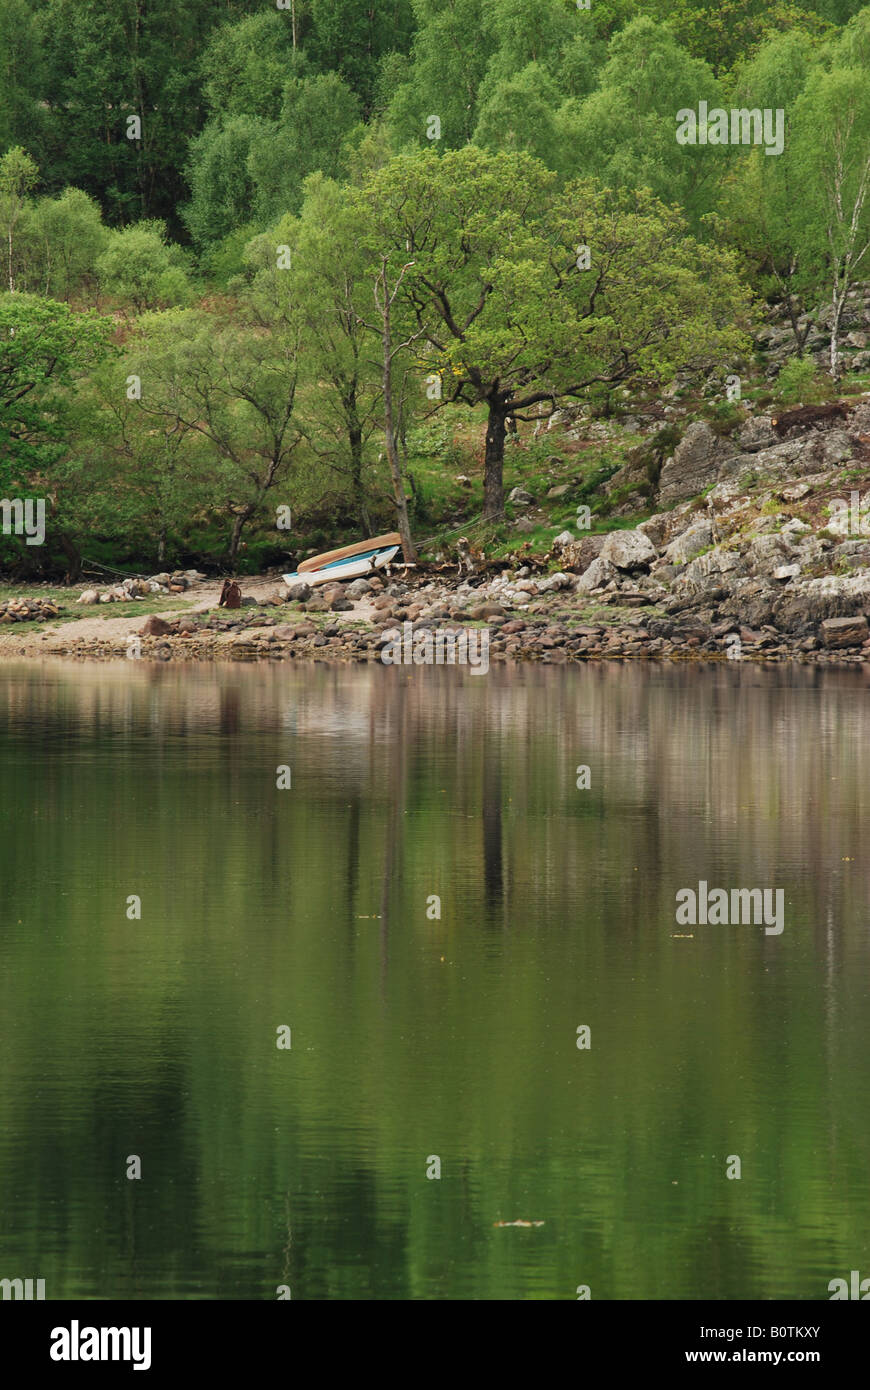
point(500, 290)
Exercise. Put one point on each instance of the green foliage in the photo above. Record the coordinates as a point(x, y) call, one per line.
point(104, 60)
point(350, 37)
point(141, 268)
point(311, 130)
point(224, 192)
point(519, 114)
point(22, 118)
point(245, 66)
point(796, 381)
point(317, 114)
point(65, 238)
point(44, 346)
point(18, 176)
point(624, 132)
point(228, 386)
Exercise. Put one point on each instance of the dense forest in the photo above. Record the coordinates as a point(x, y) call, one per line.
point(254, 254)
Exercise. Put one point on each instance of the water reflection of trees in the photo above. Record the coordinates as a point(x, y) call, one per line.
point(557, 909)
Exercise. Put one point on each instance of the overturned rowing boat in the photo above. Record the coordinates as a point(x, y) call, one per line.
point(348, 562)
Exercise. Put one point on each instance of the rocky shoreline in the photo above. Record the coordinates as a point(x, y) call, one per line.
point(759, 550)
point(525, 619)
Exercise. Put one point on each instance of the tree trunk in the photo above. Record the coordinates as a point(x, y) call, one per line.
point(70, 550)
point(355, 439)
point(236, 536)
point(800, 338)
point(493, 466)
point(404, 524)
point(838, 303)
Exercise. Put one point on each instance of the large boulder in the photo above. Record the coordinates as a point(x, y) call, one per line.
point(855, 553)
point(718, 567)
point(859, 420)
point(766, 554)
point(845, 632)
point(628, 550)
point(693, 467)
point(752, 602)
point(578, 556)
point(155, 627)
point(597, 575)
point(756, 433)
point(810, 602)
point(656, 528)
point(692, 541)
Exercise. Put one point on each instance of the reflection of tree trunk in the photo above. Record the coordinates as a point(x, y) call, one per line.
point(493, 869)
point(285, 1272)
point(398, 742)
point(230, 709)
point(351, 872)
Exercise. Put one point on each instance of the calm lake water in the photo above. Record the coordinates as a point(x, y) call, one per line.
point(311, 908)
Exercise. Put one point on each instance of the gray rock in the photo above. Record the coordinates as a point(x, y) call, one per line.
point(794, 494)
point(596, 575)
point(563, 538)
point(693, 468)
point(836, 447)
point(358, 588)
point(710, 571)
point(854, 552)
point(859, 420)
point(692, 541)
point(628, 550)
point(299, 593)
point(785, 572)
point(655, 527)
point(810, 601)
point(519, 494)
point(555, 581)
point(766, 554)
point(756, 433)
point(561, 490)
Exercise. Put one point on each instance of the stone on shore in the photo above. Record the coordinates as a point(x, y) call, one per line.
point(845, 632)
point(628, 550)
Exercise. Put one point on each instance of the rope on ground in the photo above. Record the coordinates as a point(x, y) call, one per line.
point(473, 525)
point(107, 569)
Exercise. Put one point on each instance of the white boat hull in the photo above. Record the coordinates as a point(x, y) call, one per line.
point(354, 567)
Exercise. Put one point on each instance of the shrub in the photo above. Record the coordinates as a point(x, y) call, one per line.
point(796, 381)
